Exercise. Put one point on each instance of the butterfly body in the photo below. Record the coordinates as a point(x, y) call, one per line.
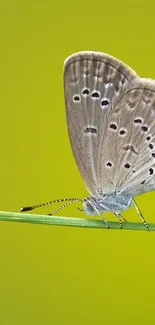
point(115, 203)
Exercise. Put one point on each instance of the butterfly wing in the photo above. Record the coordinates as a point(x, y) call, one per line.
point(134, 169)
point(93, 84)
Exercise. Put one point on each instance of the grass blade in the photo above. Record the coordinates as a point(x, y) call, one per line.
point(70, 222)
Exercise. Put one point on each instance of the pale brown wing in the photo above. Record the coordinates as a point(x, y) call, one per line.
point(93, 84)
point(131, 153)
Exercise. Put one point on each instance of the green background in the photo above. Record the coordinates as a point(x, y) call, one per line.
point(56, 275)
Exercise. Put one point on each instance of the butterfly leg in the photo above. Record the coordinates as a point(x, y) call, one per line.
point(140, 214)
point(80, 209)
point(118, 215)
point(105, 221)
point(101, 215)
point(122, 218)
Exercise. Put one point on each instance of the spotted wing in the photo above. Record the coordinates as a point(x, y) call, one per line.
point(131, 141)
point(93, 83)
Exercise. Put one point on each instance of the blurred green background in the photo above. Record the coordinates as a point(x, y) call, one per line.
point(56, 275)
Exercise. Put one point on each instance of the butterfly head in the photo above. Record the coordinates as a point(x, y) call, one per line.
point(89, 206)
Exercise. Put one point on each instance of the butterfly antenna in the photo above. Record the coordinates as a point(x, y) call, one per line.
point(72, 200)
point(63, 206)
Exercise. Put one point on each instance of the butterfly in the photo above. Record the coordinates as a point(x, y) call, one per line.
point(110, 114)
